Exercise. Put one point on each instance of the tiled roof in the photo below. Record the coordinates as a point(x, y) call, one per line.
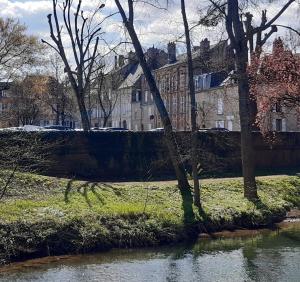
point(132, 77)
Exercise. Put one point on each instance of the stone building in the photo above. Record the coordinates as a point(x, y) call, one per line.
point(123, 84)
point(216, 93)
point(5, 104)
point(115, 93)
point(172, 80)
point(218, 107)
point(37, 100)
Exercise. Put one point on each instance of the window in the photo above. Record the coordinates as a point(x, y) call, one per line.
point(175, 83)
point(146, 96)
point(174, 104)
point(168, 84)
point(220, 106)
point(159, 85)
point(136, 96)
point(220, 124)
point(3, 93)
point(5, 107)
point(278, 125)
point(149, 126)
point(202, 81)
point(230, 125)
point(136, 127)
point(284, 125)
point(150, 111)
point(278, 107)
point(167, 105)
point(182, 107)
point(182, 80)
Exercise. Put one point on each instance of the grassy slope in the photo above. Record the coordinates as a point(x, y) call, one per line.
point(43, 215)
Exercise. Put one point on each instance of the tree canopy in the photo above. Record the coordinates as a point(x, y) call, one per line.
point(275, 79)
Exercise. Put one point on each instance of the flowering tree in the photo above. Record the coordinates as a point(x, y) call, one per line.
point(274, 80)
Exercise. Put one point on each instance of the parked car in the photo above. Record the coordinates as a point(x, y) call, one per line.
point(219, 129)
point(20, 128)
point(57, 128)
point(29, 127)
point(203, 129)
point(115, 129)
point(99, 128)
point(160, 129)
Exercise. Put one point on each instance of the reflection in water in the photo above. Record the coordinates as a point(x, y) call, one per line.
point(274, 256)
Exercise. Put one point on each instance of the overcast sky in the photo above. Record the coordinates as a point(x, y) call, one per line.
point(156, 27)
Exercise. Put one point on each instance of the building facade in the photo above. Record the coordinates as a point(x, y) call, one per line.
point(211, 66)
point(37, 100)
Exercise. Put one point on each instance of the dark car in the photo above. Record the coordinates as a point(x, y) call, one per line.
point(58, 128)
point(113, 129)
point(219, 129)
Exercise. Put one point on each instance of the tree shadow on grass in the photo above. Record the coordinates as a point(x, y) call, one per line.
point(83, 190)
point(97, 195)
point(68, 191)
point(89, 186)
point(259, 204)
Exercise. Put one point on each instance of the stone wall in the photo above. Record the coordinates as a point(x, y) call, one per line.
point(143, 155)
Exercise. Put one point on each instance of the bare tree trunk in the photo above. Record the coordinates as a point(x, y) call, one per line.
point(194, 151)
point(82, 35)
point(63, 117)
point(83, 113)
point(57, 115)
point(235, 24)
point(246, 121)
point(170, 138)
point(105, 120)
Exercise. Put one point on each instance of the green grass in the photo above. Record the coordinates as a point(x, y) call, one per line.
point(43, 215)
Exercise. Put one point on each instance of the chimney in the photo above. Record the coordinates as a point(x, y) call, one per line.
point(121, 61)
point(116, 62)
point(204, 46)
point(172, 52)
point(132, 59)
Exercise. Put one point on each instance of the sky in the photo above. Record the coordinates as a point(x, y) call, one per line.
point(155, 26)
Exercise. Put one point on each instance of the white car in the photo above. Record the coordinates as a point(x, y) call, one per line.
point(160, 129)
point(30, 127)
point(12, 129)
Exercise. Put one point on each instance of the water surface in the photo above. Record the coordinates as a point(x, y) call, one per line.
point(269, 256)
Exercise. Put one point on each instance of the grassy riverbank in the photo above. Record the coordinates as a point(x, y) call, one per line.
point(47, 216)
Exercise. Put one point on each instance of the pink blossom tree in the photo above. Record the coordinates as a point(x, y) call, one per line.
point(274, 80)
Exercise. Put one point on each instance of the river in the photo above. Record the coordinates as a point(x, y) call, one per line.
point(267, 256)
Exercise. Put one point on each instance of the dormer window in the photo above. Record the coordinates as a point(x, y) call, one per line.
point(202, 81)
